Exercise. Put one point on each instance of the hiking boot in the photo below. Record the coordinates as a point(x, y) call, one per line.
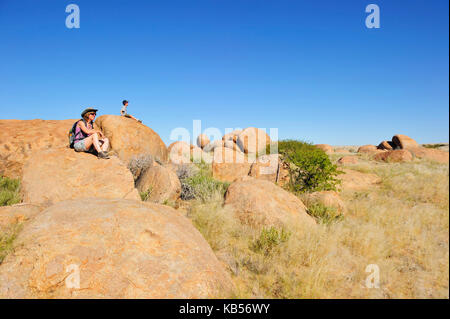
point(103, 155)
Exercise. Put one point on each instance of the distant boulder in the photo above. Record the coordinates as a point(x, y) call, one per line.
point(357, 181)
point(386, 145)
point(253, 140)
point(212, 145)
point(202, 140)
point(348, 160)
point(262, 203)
point(325, 198)
point(232, 136)
point(130, 138)
point(59, 174)
point(325, 147)
point(370, 149)
point(394, 156)
point(430, 154)
point(228, 165)
point(105, 248)
point(404, 142)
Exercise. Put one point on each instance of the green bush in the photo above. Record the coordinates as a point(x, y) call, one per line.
point(433, 145)
point(269, 239)
point(310, 168)
point(7, 237)
point(323, 214)
point(202, 185)
point(9, 191)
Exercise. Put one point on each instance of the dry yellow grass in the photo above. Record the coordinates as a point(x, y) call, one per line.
point(401, 226)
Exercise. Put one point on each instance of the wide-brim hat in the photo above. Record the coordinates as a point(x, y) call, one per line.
point(88, 110)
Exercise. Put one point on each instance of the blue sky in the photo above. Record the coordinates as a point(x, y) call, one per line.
point(309, 68)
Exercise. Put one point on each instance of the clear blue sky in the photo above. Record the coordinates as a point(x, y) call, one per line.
point(309, 68)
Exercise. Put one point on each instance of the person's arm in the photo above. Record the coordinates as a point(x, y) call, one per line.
point(87, 130)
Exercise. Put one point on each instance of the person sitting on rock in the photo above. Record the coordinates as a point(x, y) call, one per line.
point(87, 139)
point(123, 111)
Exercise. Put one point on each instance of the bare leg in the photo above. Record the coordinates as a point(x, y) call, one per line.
point(105, 144)
point(92, 140)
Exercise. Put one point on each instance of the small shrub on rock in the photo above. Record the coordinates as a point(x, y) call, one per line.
point(138, 164)
point(324, 214)
point(9, 191)
point(202, 185)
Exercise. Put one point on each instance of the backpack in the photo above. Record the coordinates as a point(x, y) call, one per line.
point(71, 134)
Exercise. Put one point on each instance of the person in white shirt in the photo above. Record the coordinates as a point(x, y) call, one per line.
point(123, 111)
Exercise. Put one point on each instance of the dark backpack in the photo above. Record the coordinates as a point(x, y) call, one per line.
point(71, 134)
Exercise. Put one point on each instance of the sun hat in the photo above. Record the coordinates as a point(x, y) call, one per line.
point(88, 110)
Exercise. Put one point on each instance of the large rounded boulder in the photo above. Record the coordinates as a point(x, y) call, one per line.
point(253, 140)
point(102, 248)
point(404, 142)
point(228, 164)
point(129, 138)
point(262, 203)
point(202, 140)
point(19, 139)
point(60, 174)
point(394, 156)
point(325, 147)
point(160, 184)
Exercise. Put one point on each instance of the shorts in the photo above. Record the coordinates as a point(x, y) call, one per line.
point(79, 146)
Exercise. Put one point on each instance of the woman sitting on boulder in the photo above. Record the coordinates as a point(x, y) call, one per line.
point(86, 138)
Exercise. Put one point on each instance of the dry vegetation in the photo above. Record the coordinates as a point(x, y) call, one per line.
point(401, 225)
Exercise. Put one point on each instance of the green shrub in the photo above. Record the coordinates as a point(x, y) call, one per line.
point(202, 185)
point(7, 237)
point(310, 168)
point(434, 145)
point(324, 214)
point(145, 195)
point(9, 191)
point(269, 239)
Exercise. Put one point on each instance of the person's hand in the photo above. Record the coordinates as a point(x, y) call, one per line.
point(100, 133)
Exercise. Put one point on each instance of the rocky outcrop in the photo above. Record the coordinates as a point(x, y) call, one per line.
point(394, 156)
point(404, 142)
point(356, 181)
point(386, 145)
point(228, 165)
point(325, 147)
point(430, 154)
point(161, 183)
point(59, 174)
point(202, 140)
point(231, 144)
point(325, 198)
point(213, 145)
point(19, 139)
point(253, 140)
point(262, 203)
point(18, 213)
point(270, 168)
point(232, 136)
point(102, 248)
point(348, 160)
point(129, 138)
point(370, 149)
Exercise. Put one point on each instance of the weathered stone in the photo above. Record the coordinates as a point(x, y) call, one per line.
point(117, 249)
point(59, 174)
point(262, 203)
point(129, 138)
point(161, 183)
